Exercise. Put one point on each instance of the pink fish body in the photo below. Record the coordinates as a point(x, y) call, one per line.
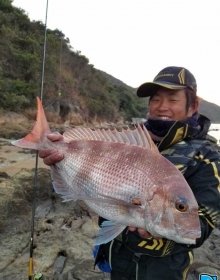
point(122, 177)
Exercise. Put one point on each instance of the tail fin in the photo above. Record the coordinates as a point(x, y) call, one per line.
point(41, 128)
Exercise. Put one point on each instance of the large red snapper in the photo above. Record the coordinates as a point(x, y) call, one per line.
point(122, 177)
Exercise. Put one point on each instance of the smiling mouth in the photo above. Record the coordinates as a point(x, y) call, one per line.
point(164, 118)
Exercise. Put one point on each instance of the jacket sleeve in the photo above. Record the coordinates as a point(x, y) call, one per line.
point(204, 180)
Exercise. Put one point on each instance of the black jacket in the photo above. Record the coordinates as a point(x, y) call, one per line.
point(203, 175)
point(199, 162)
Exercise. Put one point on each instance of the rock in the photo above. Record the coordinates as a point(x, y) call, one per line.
point(58, 266)
point(88, 274)
point(89, 229)
point(10, 117)
point(191, 276)
point(4, 175)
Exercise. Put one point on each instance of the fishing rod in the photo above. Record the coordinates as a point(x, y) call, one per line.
point(31, 274)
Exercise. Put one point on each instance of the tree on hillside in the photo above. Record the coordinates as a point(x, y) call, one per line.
point(69, 77)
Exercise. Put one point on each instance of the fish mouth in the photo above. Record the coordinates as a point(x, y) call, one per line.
point(192, 234)
point(189, 234)
point(187, 237)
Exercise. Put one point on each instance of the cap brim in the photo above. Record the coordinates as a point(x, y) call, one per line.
point(147, 89)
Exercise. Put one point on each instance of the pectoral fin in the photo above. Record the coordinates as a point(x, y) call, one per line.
point(109, 230)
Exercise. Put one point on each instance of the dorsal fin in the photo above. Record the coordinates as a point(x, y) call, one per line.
point(40, 129)
point(138, 137)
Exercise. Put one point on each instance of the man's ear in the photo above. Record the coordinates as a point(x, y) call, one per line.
point(193, 108)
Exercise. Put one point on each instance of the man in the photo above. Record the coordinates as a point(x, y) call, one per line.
point(181, 136)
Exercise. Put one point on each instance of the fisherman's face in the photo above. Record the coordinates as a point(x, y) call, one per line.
point(169, 104)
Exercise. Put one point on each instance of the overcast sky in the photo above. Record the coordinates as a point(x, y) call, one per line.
point(134, 39)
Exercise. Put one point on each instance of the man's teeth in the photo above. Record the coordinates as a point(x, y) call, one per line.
point(165, 118)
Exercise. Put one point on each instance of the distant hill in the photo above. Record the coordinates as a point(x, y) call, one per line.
point(210, 110)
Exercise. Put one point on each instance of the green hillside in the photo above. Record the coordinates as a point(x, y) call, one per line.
point(82, 87)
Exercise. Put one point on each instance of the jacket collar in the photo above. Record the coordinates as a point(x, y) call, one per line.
point(180, 131)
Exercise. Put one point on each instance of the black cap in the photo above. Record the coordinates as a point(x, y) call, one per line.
point(171, 77)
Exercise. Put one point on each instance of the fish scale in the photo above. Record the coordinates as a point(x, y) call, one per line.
point(122, 177)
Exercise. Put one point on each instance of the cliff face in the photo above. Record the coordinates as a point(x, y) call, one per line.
point(211, 110)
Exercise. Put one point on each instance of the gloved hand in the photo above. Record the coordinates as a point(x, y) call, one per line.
point(100, 260)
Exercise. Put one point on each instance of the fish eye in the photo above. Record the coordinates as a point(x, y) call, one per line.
point(181, 205)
